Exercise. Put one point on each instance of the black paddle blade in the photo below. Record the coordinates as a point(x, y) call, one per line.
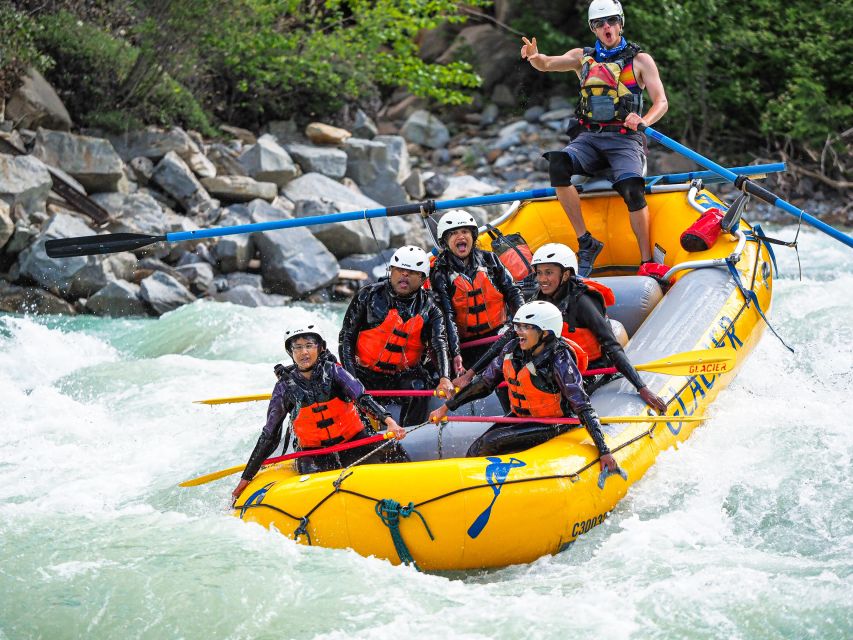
point(95, 245)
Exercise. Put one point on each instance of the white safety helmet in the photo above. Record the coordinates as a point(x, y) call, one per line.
point(456, 219)
point(541, 314)
point(412, 258)
point(604, 9)
point(555, 253)
point(303, 330)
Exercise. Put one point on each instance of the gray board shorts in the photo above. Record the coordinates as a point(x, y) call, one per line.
point(622, 153)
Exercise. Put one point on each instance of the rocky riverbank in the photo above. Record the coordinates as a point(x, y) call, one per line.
point(156, 181)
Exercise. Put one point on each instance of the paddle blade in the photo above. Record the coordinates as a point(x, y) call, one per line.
point(96, 245)
point(693, 363)
point(210, 477)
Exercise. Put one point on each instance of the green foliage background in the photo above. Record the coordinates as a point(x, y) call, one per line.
point(736, 73)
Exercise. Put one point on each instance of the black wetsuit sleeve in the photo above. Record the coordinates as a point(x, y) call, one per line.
point(349, 386)
point(277, 411)
point(570, 382)
point(355, 319)
point(483, 384)
point(441, 288)
point(504, 283)
point(495, 348)
point(438, 339)
point(588, 315)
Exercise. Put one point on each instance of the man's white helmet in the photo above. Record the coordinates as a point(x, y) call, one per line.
point(604, 9)
point(556, 253)
point(303, 330)
point(540, 314)
point(456, 219)
point(412, 258)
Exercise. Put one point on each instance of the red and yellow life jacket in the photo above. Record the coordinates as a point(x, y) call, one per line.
point(608, 90)
point(392, 346)
point(525, 398)
point(585, 338)
point(335, 419)
point(478, 306)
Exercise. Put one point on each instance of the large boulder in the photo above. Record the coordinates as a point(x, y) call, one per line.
point(425, 129)
point(493, 52)
point(153, 143)
point(364, 126)
point(320, 133)
point(175, 178)
point(325, 160)
point(91, 161)
point(267, 161)
point(75, 277)
point(15, 299)
point(164, 293)
point(24, 180)
point(118, 298)
point(467, 186)
point(379, 167)
point(239, 188)
point(200, 276)
point(233, 252)
point(342, 238)
point(133, 213)
point(293, 262)
point(35, 104)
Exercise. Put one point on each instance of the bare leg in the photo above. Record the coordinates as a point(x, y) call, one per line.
point(640, 226)
point(568, 197)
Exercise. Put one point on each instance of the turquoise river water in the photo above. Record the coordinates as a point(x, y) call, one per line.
point(746, 531)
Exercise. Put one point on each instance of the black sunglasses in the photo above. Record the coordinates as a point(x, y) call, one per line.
point(611, 20)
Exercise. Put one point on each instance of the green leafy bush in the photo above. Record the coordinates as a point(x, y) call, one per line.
point(18, 49)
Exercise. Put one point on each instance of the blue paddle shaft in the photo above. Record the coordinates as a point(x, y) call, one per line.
point(749, 186)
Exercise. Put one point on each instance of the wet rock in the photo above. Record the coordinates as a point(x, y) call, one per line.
point(24, 180)
point(164, 293)
point(153, 143)
point(239, 188)
point(175, 178)
point(91, 161)
point(15, 299)
point(425, 129)
point(326, 161)
point(199, 275)
point(119, 299)
point(320, 133)
point(248, 296)
point(36, 104)
point(267, 161)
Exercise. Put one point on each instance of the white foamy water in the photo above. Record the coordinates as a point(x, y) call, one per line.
point(746, 531)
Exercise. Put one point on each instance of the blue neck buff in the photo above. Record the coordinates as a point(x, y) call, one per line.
point(602, 54)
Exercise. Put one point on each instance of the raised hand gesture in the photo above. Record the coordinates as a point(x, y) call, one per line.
point(529, 49)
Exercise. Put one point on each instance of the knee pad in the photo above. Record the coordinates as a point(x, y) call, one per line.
point(633, 192)
point(561, 168)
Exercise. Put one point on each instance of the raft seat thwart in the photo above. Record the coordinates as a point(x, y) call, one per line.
point(636, 296)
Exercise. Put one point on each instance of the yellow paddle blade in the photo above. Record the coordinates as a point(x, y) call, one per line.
point(234, 399)
point(210, 477)
point(616, 419)
point(693, 363)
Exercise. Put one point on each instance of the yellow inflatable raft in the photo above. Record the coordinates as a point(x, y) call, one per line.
point(447, 512)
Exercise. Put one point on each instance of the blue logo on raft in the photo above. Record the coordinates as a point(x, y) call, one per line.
point(496, 473)
point(255, 498)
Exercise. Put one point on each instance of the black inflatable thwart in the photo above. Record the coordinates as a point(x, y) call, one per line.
point(732, 218)
point(97, 245)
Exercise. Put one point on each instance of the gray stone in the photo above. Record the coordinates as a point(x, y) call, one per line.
point(534, 113)
point(239, 188)
point(199, 275)
point(22, 237)
point(378, 166)
point(164, 293)
point(133, 213)
point(364, 127)
point(282, 130)
point(375, 265)
point(91, 161)
point(324, 160)
point(435, 184)
point(425, 129)
point(147, 266)
point(248, 296)
point(342, 238)
point(489, 115)
point(267, 161)
point(558, 115)
point(175, 178)
point(225, 161)
point(559, 102)
point(414, 185)
point(200, 165)
point(119, 299)
point(503, 96)
point(239, 278)
point(33, 300)
point(294, 262)
point(467, 186)
point(399, 228)
point(492, 51)
point(7, 225)
point(35, 104)
point(24, 180)
point(154, 143)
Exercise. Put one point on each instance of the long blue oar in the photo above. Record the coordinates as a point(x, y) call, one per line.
point(745, 184)
point(115, 242)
